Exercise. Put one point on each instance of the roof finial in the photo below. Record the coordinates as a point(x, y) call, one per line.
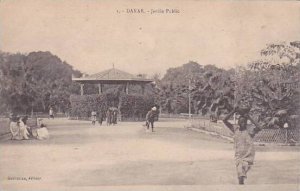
point(114, 69)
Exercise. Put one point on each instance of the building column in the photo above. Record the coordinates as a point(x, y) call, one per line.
point(143, 88)
point(127, 88)
point(81, 89)
point(100, 87)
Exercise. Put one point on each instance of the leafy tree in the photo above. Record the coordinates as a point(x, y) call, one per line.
point(13, 90)
point(204, 84)
point(34, 82)
point(271, 85)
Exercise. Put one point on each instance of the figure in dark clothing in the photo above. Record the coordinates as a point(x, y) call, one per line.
point(114, 116)
point(25, 119)
point(150, 118)
point(108, 117)
point(100, 117)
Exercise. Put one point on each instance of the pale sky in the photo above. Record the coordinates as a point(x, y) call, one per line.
point(91, 36)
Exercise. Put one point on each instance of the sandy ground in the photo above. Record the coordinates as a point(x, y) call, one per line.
point(126, 157)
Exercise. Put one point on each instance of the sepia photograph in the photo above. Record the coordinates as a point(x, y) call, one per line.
point(149, 95)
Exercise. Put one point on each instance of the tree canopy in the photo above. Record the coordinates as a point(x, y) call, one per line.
point(35, 81)
point(268, 86)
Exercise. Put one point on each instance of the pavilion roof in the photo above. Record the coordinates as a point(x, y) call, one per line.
point(112, 76)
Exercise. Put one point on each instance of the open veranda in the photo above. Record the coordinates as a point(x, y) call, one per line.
point(80, 156)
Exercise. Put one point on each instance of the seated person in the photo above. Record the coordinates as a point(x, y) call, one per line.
point(18, 128)
point(15, 128)
point(42, 131)
point(23, 128)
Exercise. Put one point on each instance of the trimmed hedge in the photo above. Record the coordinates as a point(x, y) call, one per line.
point(135, 107)
point(131, 107)
point(82, 106)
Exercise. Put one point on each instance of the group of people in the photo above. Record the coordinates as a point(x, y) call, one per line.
point(21, 131)
point(18, 127)
point(111, 116)
point(243, 137)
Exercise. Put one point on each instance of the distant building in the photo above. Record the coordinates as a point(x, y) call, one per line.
point(113, 76)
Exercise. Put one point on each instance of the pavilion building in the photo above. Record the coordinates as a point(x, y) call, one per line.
point(112, 77)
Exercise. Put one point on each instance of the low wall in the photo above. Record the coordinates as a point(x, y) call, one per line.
point(182, 116)
point(4, 126)
point(119, 119)
point(264, 136)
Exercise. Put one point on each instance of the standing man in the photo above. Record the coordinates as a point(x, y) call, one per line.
point(94, 117)
point(51, 113)
point(100, 117)
point(114, 116)
point(150, 117)
point(108, 117)
point(243, 143)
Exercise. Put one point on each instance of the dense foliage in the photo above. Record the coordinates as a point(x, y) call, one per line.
point(269, 87)
point(204, 84)
point(82, 106)
point(35, 81)
point(130, 106)
point(135, 106)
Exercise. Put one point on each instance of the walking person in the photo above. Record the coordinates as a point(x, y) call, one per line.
point(150, 118)
point(243, 143)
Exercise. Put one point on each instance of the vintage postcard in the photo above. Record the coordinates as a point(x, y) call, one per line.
point(149, 95)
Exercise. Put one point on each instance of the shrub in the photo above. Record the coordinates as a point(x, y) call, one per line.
point(133, 107)
point(82, 106)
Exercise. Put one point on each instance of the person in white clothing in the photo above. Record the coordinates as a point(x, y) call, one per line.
point(94, 117)
point(41, 132)
point(51, 113)
point(23, 129)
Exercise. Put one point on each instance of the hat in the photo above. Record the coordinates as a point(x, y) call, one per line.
point(154, 108)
